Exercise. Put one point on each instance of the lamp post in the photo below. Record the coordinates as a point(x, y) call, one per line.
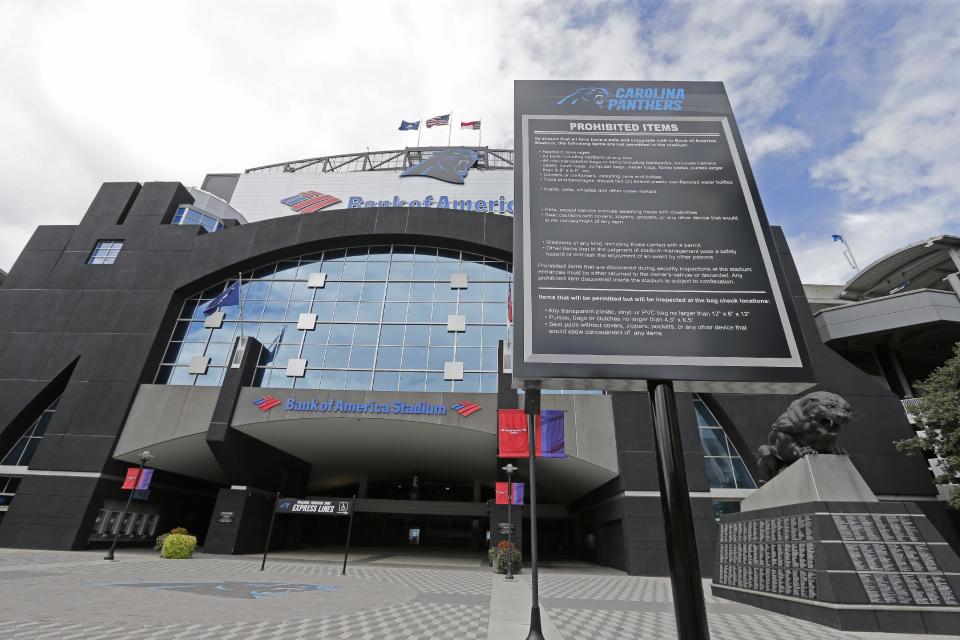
point(144, 456)
point(510, 469)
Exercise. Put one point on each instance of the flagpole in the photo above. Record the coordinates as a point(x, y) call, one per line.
point(480, 134)
point(419, 127)
point(240, 301)
point(449, 127)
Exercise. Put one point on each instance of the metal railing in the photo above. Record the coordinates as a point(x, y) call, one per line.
point(398, 159)
point(909, 405)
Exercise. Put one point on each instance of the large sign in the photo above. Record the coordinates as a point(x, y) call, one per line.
point(338, 405)
point(316, 506)
point(641, 245)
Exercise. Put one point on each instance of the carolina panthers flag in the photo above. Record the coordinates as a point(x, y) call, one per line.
point(229, 297)
point(409, 126)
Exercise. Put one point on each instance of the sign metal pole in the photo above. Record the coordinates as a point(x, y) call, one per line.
point(532, 406)
point(346, 550)
point(123, 516)
point(688, 603)
point(273, 518)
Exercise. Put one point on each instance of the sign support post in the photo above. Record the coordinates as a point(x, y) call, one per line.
point(273, 518)
point(532, 406)
point(688, 603)
point(346, 550)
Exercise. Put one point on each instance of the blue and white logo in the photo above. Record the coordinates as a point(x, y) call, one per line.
point(596, 95)
point(450, 165)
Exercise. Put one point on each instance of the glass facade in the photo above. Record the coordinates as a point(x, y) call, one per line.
point(105, 252)
point(188, 215)
point(381, 321)
point(725, 468)
point(23, 449)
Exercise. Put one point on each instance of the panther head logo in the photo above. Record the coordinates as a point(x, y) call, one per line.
point(596, 95)
point(450, 165)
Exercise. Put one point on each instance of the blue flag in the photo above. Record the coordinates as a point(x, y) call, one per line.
point(409, 126)
point(229, 297)
point(837, 237)
point(275, 345)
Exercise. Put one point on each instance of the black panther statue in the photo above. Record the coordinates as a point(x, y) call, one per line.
point(809, 425)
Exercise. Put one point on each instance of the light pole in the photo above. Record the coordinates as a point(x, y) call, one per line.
point(510, 470)
point(144, 456)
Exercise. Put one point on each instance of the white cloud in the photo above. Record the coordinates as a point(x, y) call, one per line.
point(777, 139)
point(101, 91)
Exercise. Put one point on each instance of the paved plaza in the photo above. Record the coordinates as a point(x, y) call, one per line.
point(78, 596)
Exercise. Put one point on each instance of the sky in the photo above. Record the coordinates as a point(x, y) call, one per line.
point(850, 111)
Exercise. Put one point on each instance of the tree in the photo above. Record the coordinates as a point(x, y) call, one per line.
point(939, 412)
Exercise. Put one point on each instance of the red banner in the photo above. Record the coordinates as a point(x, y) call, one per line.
point(512, 433)
point(503, 491)
point(130, 482)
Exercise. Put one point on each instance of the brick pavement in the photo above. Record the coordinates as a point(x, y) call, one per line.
point(78, 596)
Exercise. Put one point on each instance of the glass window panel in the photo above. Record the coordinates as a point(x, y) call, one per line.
point(281, 380)
point(495, 292)
point(380, 253)
point(269, 331)
point(448, 255)
point(287, 270)
point(196, 333)
point(388, 357)
point(257, 290)
point(308, 266)
point(376, 271)
point(391, 334)
point(328, 293)
point(496, 271)
point(188, 308)
point(414, 358)
point(495, 312)
point(421, 292)
point(29, 450)
point(163, 375)
point(218, 352)
point(719, 473)
point(714, 442)
point(473, 311)
point(349, 291)
point(324, 310)
point(419, 312)
point(280, 290)
point(265, 272)
point(180, 375)
point(357, 254)
point(14, 455)
point(211, 378)
point(295, 309)
point(438, 356)
point(493, 335)
point(488, 359)
point(172, 350)
point(333, 379)
point(252, 310)
point(470, 357)
point(472, 265)
point(386, 380)
point(394, 311)
point(319, 334)
point(373, 292)
point(274, 310)
point(704, 417)
point(179, 331)
point(369, 311)
point(353, 271)
point(488, 382)
point(345, 312)
point(341, 334)
point(336, 254)
point(366, 334)
point(285, 352)
point(398, 291)
point(440, 337)
point(314, 354)
point(310, 380)
point(337, 358)
point(425, 254)
point(412, 380)
point(362, 357)
point(443, 309)
point(401, 270)
point(301, 291)
point(469, 384)
point(742, 476)
point(188, 351)
point(470, 337)
point(443, 293)
point(359, 379)
point(445, 270)
point(333, 269)
point(435, 382)
point(402, 253)
point(417, 335)
point(473, 292)
point(424, 271)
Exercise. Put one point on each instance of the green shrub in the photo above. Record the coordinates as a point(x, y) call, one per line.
point(180, 531)
point(179, 546)
point(506, 554)
point(158, 545)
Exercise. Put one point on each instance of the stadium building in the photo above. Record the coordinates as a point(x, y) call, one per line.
point(366, 357)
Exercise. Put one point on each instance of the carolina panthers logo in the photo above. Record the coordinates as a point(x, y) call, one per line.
point(451, 165)
point(596, 95)
point(227, 589)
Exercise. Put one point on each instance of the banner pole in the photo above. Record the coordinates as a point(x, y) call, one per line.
point(532, 406)
point(688, 604)
point(273, 517)
point(346, 550)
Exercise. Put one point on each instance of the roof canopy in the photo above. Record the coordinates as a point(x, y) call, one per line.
point(920, 265)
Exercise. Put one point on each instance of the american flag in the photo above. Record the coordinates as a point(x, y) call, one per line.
point(439, 121)
point(473, 124)
point(310, 201)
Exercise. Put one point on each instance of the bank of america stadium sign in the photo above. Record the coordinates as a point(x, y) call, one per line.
point(312, 201)
point(340, 406)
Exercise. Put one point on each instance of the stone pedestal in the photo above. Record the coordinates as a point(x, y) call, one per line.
point(854, 564)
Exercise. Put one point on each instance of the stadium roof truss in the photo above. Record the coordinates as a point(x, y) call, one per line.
point(397, 160)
